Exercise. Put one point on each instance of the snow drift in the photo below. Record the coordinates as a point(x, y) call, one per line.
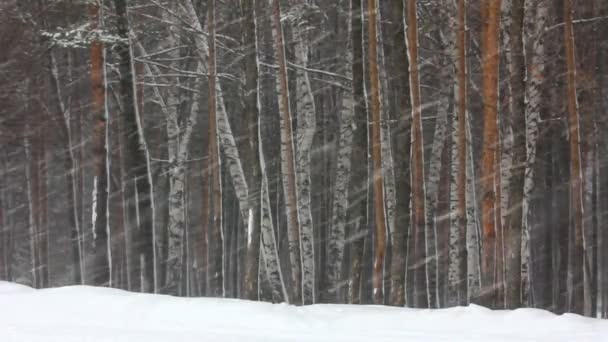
point(82, 313)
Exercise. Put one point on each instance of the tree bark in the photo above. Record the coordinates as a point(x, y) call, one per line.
point(378, 179)
point(216, 283)
point(516, 190)
point(457, 272)
point(419, 269)
point(62, 115)
point(136, 159)
point(251, 100)
point(341, 203)
point(288, 157)
point(357, 215)
point(101, 264)
point(305, 131)
point(490, 63)
point(576, 249)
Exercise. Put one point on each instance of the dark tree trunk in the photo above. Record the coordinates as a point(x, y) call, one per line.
point(137, 183)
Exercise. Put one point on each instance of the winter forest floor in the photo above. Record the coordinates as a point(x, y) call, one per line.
point(82, 313)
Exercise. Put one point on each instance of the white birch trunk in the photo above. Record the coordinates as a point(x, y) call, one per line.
point(287, 145)
point(455, 245)
point(305, 131)
point(454, 259)
point(535, 18)
point(178, 140)
point(506, 154)
point(270, 254)
point(340, 201)
point(434, 171)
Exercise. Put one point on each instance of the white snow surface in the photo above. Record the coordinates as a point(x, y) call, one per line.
point(82, 313)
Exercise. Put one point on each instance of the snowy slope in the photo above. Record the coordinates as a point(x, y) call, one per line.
point(81, 313)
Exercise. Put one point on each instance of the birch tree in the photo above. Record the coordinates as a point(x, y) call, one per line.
point(340, 206)
point(457, 271)
point(287, 157)
point(305, 131)
point(216, 234)
point(536, 15)
point(446, 74)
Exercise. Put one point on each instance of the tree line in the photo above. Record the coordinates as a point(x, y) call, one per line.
point(400, 152)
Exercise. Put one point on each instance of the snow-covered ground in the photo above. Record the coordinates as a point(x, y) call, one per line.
point(81, 313)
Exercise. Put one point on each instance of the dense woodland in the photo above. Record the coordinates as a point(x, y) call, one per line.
point(400, 152)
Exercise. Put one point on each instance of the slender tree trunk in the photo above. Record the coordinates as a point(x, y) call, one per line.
point(490, 62)
point(516, 190)
point(576, 252)
point(31, 190)
point(120, 241)
point(270, 251)
point(305, 131)
point(216, 241)
point(457, 272)
point(401, 153)
point(138, 182)
point(251, 101)
point(378, 181)
point(4, 230)
point(341, 203)
point(357, 215)
point(288, 157)
point(421, 290)
point(63, 117)
point(588, 93)
point(536, 15)
point(433, 217)
point(101, 266)
point(43, 229)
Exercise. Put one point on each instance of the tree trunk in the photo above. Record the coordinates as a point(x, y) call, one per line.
point(136, 159)
point(433, 217)
point(63, 117)
point(516, 190)
point(101, 265)
point(490, 62)
point(576, 250)
point(341, 203)
point(31, 190)
point(251, 100)
point(457, 271)
point(378, 179)
point(421, 277)
point(537, 16)
point(401, 153)
point(305, 131)
point(287, 157)
point(216, 283)
point(357, 215)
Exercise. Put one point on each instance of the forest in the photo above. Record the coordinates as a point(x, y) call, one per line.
point(419, 153)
